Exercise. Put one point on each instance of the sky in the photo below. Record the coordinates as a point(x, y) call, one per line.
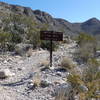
point(71, 10)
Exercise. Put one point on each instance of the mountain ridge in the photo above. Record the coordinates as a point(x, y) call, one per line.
point(90, 26)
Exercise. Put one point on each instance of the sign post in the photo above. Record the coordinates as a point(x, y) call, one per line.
point(52, 36)
point(50, 53)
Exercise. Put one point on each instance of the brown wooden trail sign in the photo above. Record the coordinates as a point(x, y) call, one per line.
point(52, 36)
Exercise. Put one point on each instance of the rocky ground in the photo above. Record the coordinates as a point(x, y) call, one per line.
point(26, 69)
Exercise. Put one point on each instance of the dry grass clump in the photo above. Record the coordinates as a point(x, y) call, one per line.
point(67, 63)
point(61, 96)
point(29, 52)
point(45, 63)
point(66, 41)
point(75, 80)
point(64, 93)
point(37, 80)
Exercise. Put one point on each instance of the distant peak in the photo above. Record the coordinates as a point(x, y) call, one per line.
point(94, 19)
point(3, 4)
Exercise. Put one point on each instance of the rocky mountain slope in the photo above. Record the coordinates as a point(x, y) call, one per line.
point(91, 26)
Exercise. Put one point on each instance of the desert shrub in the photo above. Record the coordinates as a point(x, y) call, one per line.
point(98, 41)
point(79, 85)
point(75, 80)
point(21, 19)
point(87, 47)
point(19, 26)
point(5, 38)
point(86, 52)
point(22, 49)
point(9, 40)
point(93, 62)
point(34, 37)
point(84, 38)
point(16, 38)
point(11, 46)
point(91, 72)
point(90, 78)
point(67, 63)
point(35, 41)
point(93, 87)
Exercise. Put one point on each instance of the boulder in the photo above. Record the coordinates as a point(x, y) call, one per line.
point(83, 88)
point(98, 53)
point(31, 85)
point(44, 84)
point(6, 73)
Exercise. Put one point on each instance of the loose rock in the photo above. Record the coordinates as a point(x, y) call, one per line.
point(6, 73)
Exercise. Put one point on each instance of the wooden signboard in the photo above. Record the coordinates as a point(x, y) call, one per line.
point(52, 36)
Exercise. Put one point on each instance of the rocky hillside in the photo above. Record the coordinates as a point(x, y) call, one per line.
point(9, 14)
